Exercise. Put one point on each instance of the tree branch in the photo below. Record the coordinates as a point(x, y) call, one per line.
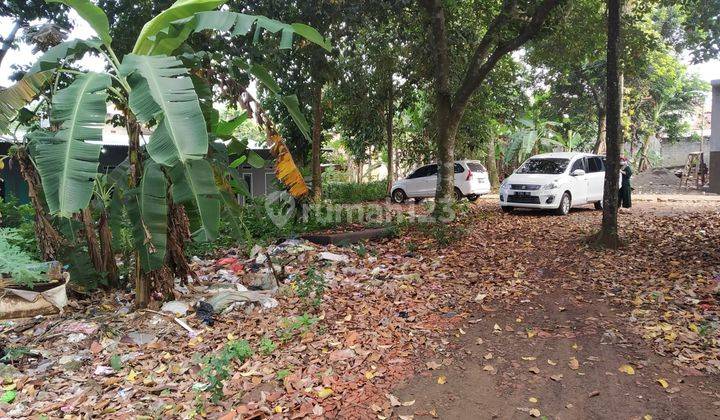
point(477, 75)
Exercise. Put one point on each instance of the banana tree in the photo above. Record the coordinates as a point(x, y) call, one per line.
point(171, 176)
point(528, 138)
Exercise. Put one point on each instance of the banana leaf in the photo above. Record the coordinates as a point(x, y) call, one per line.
point(147, 208)
point(169, 38)
point(193, 185)
point(162, 90)
point(67, 164)
point(68, 50)
point(179, 10)
point(92, 15)
point(14, 98)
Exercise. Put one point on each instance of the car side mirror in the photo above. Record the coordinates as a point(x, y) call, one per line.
point(577, 172)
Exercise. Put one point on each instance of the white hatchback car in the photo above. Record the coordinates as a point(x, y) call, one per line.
point(471, 181)
point(555, 181)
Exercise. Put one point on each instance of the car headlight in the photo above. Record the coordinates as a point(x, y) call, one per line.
point(550, 186)
point(504, 185)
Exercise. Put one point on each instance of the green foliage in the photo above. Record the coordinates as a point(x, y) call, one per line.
point(67, 163)
point(217, 367)
point(311, 287)
point(14, 354)
point(21, 218)
point(21, 266)
point(444, 234)
point(282, 374)
point(289, 327)
point(353, 192)
point(266, 346)
point(147, 207)
point(116, 362)
point(92, 15)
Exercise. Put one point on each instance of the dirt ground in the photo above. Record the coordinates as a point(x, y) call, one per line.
point(498, 365)
point(493, 316)
point(663, 181)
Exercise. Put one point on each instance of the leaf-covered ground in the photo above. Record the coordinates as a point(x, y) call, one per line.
point(516, 318)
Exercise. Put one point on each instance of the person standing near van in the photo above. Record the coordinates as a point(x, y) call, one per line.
point(624, 199)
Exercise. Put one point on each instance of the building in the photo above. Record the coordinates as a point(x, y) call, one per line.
point(715, 139)
point(13, 185)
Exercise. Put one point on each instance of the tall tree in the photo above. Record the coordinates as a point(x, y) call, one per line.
point(608, 236)
point(513, 25)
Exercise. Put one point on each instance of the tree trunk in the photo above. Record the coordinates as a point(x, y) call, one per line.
point(9, 40)
point(491, 163)
point(599, 147)
point(178, 235)
point(317, 143)
point(389, 135)
point(108, 255)
point(92, 241)
point(444, 196)
point(47, 237)
point(142, 280)
point(608, 236)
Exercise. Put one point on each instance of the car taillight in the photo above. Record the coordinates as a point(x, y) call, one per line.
point(469, 175)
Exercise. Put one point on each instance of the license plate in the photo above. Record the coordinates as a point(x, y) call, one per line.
point(523, 193)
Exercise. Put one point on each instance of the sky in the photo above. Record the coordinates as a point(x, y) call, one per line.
point(23, 54)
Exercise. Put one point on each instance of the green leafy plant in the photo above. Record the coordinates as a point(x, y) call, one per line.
point(361, 250)
point(14, 354)
point(217, 367)
point(288, 327)
point(353, 192)
point(267, 346)
point(155, 89)
point(20, 217)
point(282, 374)
point(22, 268)
point(311, 287)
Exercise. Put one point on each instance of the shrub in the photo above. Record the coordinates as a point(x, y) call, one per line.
point(311, 287)
point(21, 218)
point(353, 192)
point(217, 367)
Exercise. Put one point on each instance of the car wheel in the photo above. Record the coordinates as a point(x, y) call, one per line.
point(398, 196)
point(473, 197)
point(506, 209)
point(598, 205)
point(419, 200)
point(458, 194)
point(564, 207)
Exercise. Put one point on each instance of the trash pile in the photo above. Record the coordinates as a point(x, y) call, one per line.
point(102, 357)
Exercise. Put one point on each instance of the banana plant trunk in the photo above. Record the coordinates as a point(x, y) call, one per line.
point(48, 238)
point(108, 255)
point(142, 280)
point(92, 241)
point(178, 235)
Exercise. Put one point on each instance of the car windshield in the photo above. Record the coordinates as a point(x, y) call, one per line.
point(544, 166)
point(476, 167)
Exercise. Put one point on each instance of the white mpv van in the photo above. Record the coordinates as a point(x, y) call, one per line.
point(555, 181)
point(471, 181)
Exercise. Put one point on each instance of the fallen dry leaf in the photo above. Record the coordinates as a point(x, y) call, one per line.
point(574, 364)
point(432, 365)
point(627, 369)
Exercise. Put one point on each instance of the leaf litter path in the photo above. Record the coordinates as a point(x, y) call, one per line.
point(404, 306)
point(588, 338)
